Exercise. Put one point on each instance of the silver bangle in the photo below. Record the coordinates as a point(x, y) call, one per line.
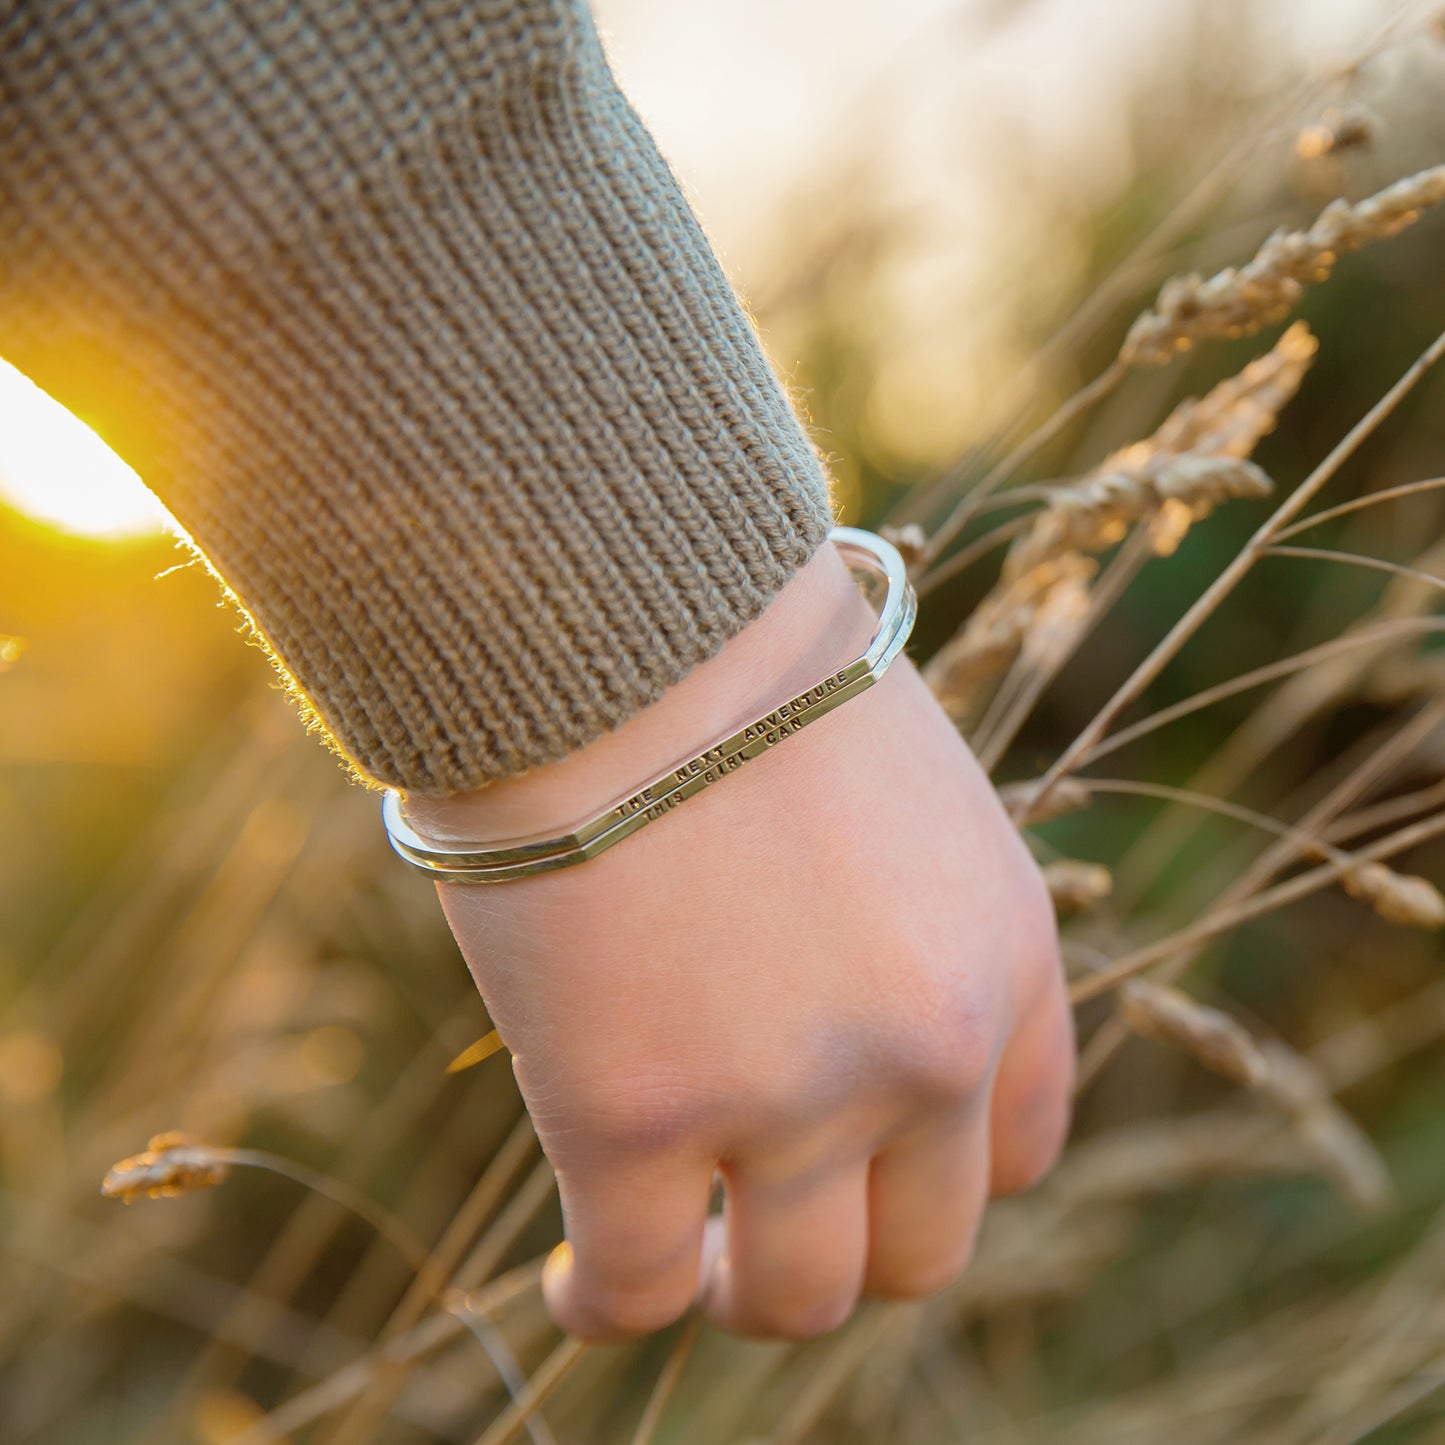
point(522, 857)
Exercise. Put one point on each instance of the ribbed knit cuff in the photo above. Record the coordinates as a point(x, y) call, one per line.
point(407, 322)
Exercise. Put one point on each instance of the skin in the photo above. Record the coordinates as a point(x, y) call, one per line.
point(832, 981)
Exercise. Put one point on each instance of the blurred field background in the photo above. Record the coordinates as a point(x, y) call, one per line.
point(945, 217)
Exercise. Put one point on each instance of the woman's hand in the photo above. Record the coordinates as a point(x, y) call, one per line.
point(833, 979)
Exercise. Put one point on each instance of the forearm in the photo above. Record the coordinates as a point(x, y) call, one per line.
point(406, 321)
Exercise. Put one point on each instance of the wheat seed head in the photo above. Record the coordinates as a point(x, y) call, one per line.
point(170, 1165)
point(1238, 302)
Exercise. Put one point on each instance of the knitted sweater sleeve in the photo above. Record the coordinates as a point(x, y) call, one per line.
point(398, 309)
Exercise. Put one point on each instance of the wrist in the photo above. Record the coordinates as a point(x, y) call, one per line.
point(818, 620)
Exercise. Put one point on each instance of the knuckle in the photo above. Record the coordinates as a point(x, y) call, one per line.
point(820, 1319)
point(800, 1319)
point(925, 1277)
point(1035, 1167)
point(954, 1044)
point(619, 1314)
point(638, 1115)
point(1040, 1146)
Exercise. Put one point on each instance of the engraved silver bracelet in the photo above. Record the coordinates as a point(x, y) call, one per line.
point(521, 857)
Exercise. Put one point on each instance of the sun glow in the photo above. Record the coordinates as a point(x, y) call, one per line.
point(55, 469)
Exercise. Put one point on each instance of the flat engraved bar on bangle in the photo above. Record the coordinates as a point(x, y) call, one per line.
point(517, 858)
point(685, 779)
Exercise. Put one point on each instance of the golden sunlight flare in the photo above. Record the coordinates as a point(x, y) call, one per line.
point(55, 469)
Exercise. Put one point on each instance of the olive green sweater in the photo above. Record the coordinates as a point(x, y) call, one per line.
point(398, 309)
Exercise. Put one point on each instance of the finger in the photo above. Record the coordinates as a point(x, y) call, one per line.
point(792, 1265)
point(1033, 1089)
point(634, 1243)
point(926, 1196)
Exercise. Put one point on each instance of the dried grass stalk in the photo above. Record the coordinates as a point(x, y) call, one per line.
point(1197, 458)
point(170, 1165)
point(1075, 885)
point(474, 1054)
point(990, 639)
point(1071, 795)
point(1239, 301)
point(1401, 677)
point(911, 541)
point(1209, 600)
point(1352, 127)
point(1219, 1042)
point(1133, 484)
point(1232, 418)
point(1058, 622)
point(1298, 1089)
point(1194, 461)
point(1403, 898)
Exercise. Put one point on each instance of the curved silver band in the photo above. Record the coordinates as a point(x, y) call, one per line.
point(521, 857)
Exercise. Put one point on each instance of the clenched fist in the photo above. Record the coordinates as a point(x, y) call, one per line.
point(831, 980)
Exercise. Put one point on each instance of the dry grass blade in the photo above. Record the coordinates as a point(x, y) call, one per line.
point(667, 1382)
point(1223, 919)
point(550, 1373)
point(345, 1385)
point(968, 508)
point(1093, 513)
point(1204, 606)
point(980, 547)
point(174, 1165)
point(1239, 156)
point(1379, 815)
point(504, 1362)
point(1376, 764)
point(1352, 127)
point(986, 645)
point(1235, 303)
point(815, 1394)
point(1304, 698)
point(1060, 628)
point(1400, 898)
point(1155, 1156)
point(476, 1053)
point(503, 1232)
point(1389, 1334)
point(436, 1270)
point(1369, 636)
point(386, 1384)
point(1219, 1042)
point(294, 1250)
point(1371, 1418)
point(1294, 1086)
point(1355, 1053)
point(1357, 559)
point(1357, 504)
point(1069, 796)
point(1306, 843)
point(1196, 460)
point(1075, 885)
point(170, 1165)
